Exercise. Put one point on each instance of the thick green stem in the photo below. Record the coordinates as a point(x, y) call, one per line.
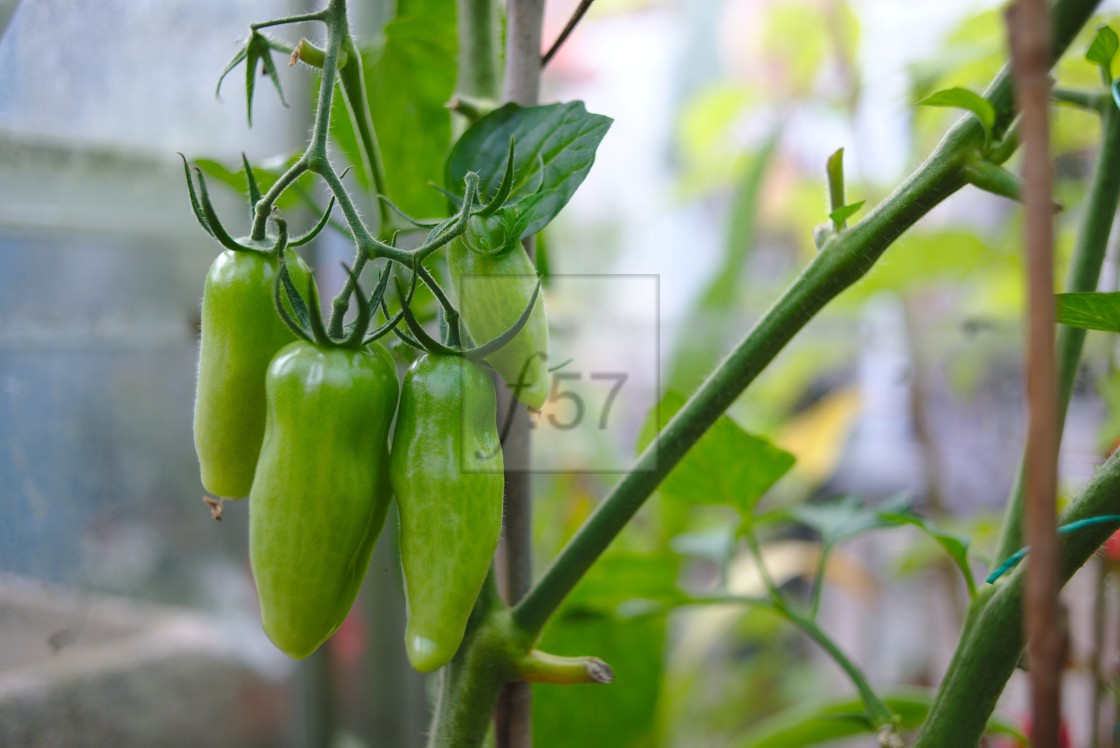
point(354, 93)
point(842, 260)
point(992, 642)
point(478, 49)
point(1084, 274)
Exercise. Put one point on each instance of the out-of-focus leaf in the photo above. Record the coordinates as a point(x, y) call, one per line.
point(816, 436)
point(704, 337)
point(266, 175)
point(962, 98)
point(1091, 310)
point(727, 466)
point(845, 517)
point(830, 720)
point(1108, 436)
point(625, 711)
point(410, 74)
point(560, 138)
point(954, 545)
point(619, 578)
point(1103, 50)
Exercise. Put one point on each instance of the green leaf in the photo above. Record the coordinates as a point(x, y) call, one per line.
point(955, 546)
point(727, 466)
point(711, 323)
point(844, 212)
point(845, 517)
point(1103, 50)
point(409, 75)
point(962, 98)
point(1090, 310)
point(625, 713)
point(561, 138)
point(826, 721)
point(265, 175)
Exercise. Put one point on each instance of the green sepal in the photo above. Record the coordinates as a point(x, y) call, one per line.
point(485, 349)
point(423, 340)
point(315, 313)
point(251, 186)
point(216, 229)
point(504, 188)
point(302, 239)
point(256, 48)
point(198, 214)
point(298, 325)
point(377, 299)
point(422, 223)
point(361, 322)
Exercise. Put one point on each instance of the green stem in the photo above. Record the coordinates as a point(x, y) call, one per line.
point(842, 260)
point(876, 709)
point(835, 172)
point(1084, 274)
point(321, 15)
point(354, 90)
point(264, 205)
point(992, 642)
point(1091, 100)
point(478, 49)
point(879, 713)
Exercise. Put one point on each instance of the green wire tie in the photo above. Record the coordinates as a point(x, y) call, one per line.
point(1020, 554)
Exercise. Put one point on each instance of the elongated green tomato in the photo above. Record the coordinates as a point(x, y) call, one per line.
point(321, 488)
point(495, 285)
point(241, 332)
point(446, 470)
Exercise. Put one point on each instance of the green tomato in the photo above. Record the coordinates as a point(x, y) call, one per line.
point(494, 290)
point(446, 470)
point(241, 332)
point(321, 488)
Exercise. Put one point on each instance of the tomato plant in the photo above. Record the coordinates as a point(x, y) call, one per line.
point(320, 485)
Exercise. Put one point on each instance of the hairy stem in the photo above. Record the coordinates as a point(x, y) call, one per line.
point(1084, 275)
point(521, 84)
point(992, 641)
point(478, 49)
point(842, 260)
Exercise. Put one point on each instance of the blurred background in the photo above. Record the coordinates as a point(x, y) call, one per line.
point(127, 615)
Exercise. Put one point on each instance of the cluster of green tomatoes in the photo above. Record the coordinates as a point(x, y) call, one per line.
point(312, 426)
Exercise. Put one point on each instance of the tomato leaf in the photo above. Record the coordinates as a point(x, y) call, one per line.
point(955, 546)
point(1103, 50)
point(265, 175)
point(554, 148)
point(1090, 310)
point(727, 466)
point(635, 650)
point(844, 212)
point(826, 721)
point(962, 98)
point(845, 517)
point(410, 74)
